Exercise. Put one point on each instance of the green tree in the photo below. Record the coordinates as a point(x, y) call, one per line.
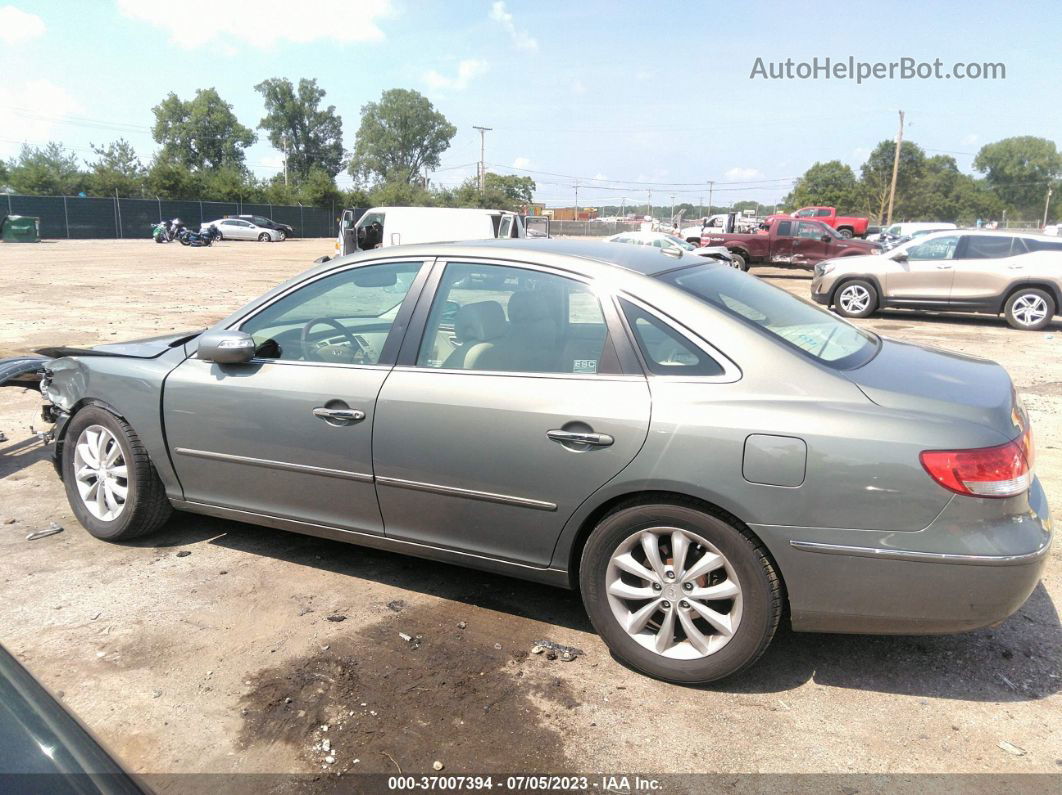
point(202, 132)
point(227, 183)
point(1019, 170)
point(876, 177)
point(831, 184)
point(49, 170)
point(318, 189)
point(4, 175)
point(520, 190)
point(116, 170)
point(310, 137)
point(402, 194)
point(171, 180)
point(398, 137)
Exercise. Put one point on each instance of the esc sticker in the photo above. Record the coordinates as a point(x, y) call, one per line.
point(584, 366)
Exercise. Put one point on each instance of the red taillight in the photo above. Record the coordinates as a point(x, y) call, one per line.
point(1002, 471)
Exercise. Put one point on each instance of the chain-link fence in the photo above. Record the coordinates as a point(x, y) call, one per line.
point(79, 217)
point(590, 228)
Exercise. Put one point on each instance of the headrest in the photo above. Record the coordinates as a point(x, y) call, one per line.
point(481, 321)
point(528, 306)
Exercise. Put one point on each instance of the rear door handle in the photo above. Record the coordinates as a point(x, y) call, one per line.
point(577, 437)
point(338, 415)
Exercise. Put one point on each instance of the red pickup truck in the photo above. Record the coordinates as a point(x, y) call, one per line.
point(788, 241)
point(847, 226)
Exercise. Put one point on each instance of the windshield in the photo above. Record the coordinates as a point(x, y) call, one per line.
point(807, 328)
point(678, 241)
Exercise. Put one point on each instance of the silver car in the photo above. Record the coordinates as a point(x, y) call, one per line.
point(242, 229)
point(698, 453)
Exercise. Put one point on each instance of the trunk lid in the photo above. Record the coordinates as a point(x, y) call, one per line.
point(904, 376)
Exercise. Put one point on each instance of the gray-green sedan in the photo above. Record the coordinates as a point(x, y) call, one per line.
point(697, 452)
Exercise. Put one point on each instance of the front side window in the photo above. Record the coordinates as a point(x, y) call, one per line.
point(809, 231)
point(496, 318)
point(804, 213)
point(937, 248)
point(987, 247)
point(665, 350)
point(807, 328)
point(343, 318)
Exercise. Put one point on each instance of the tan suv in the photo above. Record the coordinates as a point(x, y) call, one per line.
point(1019, 275)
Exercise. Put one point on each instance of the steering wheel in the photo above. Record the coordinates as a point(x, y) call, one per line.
point(313, 352)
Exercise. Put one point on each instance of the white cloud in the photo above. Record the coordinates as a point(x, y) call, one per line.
point(600, 176)
point(578, 87)
point(467, 71)
point(264, 23)
point(521, 39)
point(743, 174)
point(17, 25)
point(644, 74)
point(31, 111)
point(970, 140)
point(522, 163)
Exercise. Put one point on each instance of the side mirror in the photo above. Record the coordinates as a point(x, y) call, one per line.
point(226, 347)
point(900, 256)
point(826, 238)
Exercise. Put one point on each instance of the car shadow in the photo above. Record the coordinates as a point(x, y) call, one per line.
point(1018, 660)
point(951, 318)
point(20, 455)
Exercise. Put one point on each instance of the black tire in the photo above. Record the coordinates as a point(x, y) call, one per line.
point(845, 232)
point(739, 262)
point(265, 238)
point(219, 236)
point(761, 591)
point(1022, 301)
point(146, 507)
point(847, 305)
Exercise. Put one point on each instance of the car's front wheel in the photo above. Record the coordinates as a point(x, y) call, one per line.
point(678, 593)
point(856, 298)
point(1029, 309)
point(111, 485)
point(264, 238)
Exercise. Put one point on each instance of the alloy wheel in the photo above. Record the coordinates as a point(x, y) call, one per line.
point(674, 593)
point(100, 473)
point(1029, 310)
point(854, 298)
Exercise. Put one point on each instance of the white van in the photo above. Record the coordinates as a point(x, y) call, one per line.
point(395, 226)
point(906, 229)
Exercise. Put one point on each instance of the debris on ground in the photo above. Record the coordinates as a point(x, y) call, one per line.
point(413, 641)
point(50, 530)
point(1011, 748)
point(460, 624)
point(183, 553)
point(555, 650)
point(437, 765)
point(3, 436)
point(337, 618)
point(396, 605)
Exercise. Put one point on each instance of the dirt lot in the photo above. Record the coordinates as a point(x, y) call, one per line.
point(219, 647)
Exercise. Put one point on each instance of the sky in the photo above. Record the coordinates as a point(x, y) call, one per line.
point(622, 98)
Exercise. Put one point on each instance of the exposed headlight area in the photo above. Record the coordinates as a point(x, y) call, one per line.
point(824, 267)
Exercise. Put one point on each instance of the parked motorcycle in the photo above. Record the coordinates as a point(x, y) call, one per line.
point(205, 238)
point(166, 231)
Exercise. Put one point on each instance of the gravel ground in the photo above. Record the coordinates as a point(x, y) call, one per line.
point(237, 656)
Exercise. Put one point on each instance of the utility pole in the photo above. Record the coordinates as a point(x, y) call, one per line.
point(649, 204)
point(711, 187)
point(623, 206)
point(576, 217)
point(284, 142)
point(1047, 204)
point(482, 155)
point(895, 170)
point(672, 208)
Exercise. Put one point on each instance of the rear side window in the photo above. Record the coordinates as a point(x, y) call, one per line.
point(823, 213)
point(1035, 244)
point(988, 247)
point(785, 228)
point(666, 351)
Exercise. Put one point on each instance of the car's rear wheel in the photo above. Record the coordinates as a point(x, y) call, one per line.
point(678, 593)
point(856, 298)
point(264, 238)
point(1030, 309)
point(845, 232)
point(111, 485)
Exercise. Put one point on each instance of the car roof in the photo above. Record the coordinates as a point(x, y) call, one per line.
point(645, 260)
point(990, 233)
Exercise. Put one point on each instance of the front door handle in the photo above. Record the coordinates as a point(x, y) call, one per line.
point(338, 416)
point(577, 438)
point(943, 267)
